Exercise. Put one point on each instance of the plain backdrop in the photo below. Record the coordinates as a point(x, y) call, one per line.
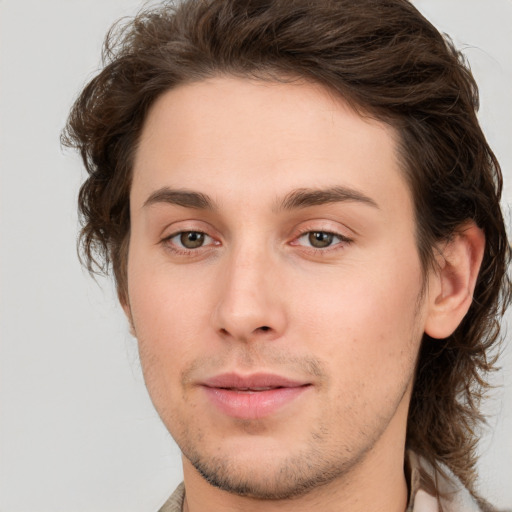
point(77, 430)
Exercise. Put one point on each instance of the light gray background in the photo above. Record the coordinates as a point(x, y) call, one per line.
point(77, 430)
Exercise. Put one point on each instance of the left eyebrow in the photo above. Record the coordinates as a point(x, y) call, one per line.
point(306, 197)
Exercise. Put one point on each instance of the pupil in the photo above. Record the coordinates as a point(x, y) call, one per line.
point(192, 239)
point(320, 239)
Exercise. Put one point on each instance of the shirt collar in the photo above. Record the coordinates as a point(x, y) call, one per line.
point(435, 491)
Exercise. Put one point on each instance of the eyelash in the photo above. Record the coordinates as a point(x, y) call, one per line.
point(182, 251)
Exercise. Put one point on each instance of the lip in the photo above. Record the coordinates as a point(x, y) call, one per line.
point(252, 396)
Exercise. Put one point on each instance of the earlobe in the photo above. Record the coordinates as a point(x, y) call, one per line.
point(451, 287)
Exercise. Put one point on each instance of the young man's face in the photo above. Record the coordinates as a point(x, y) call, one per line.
point(274, 283)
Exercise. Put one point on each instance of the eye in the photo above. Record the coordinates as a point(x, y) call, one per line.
point(189, 240)
point(320, 239)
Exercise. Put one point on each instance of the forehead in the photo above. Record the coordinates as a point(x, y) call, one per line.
point(237, 137)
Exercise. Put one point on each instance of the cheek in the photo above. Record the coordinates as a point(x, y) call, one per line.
point(165, 313)
point(164, 300)
point(367, 320)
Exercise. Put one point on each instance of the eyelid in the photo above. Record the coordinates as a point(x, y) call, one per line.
point(324, 226)
point(182, 225)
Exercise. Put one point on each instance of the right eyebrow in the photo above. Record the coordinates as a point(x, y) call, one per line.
point(180, 197)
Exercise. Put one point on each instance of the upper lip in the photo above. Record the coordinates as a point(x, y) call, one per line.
point(253, 381)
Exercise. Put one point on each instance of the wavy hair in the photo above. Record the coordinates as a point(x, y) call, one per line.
point(388, 62)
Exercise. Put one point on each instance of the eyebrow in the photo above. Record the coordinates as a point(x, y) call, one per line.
point(180, 197)
point(306, 197)
point(297, 199)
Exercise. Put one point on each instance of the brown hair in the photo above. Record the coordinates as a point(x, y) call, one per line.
point(387, 61)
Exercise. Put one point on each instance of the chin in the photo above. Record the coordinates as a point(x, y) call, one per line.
point(272, 477)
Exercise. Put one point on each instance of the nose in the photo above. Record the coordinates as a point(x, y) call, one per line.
point(251, 303)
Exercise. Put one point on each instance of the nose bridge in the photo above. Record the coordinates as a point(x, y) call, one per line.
point(249, 302)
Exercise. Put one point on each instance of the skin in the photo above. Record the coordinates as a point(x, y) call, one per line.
point(251, 294)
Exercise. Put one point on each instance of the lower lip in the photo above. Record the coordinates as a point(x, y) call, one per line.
point(253, 405)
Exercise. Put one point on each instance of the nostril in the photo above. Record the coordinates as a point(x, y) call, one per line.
point(264, 328)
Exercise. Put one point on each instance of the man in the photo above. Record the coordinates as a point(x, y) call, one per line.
point(302, 216)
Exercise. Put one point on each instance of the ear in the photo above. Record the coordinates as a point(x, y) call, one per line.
point(451, 287)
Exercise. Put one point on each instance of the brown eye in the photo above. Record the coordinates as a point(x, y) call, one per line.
point(320, 239)
point(191, 239)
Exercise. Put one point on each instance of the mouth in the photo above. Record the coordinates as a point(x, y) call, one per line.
point(253, 396)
